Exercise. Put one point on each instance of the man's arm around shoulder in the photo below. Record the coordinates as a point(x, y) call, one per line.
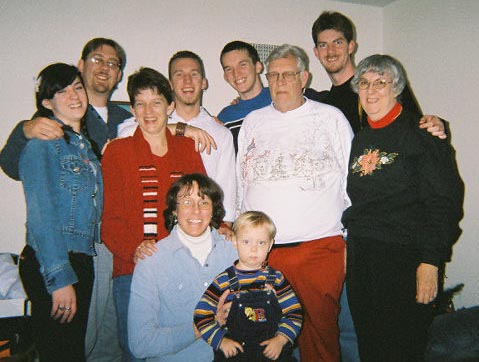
point(10, 154)
point(40, 127)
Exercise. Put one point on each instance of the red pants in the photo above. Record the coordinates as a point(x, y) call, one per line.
point(315, 270)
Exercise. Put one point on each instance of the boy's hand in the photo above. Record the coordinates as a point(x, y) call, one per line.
point(42, 128)
point(230, 348)
point(274, 346)
point(433, 125)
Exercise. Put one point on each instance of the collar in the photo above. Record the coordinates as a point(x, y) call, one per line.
point(177, 244)
point(306, 101)
point(175, 118)
point(388, 118)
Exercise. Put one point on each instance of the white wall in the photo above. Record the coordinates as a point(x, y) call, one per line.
point(437, 42)
point(36, 33)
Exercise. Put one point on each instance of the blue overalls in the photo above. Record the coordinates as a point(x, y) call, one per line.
point(253, 318)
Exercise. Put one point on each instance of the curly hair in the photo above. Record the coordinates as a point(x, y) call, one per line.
point(206, 187)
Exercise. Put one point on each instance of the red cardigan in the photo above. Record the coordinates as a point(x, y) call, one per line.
point(122, 223)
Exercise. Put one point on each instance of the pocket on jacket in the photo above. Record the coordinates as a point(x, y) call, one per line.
point(76, 174)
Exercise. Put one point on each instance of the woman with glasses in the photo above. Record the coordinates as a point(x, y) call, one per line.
point(138, 171)
point(406, 196)
point(167, 285)
point(64, 196)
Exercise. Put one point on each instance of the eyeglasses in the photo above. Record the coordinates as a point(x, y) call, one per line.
point(189, 203)
point(101, 62)
point(377, 84)
point(289, 77)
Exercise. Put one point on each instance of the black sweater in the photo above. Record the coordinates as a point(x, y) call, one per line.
point(413, 197)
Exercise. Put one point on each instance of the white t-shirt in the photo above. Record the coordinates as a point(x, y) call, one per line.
point(220, 163)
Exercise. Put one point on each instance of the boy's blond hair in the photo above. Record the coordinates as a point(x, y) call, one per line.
point(255, 219)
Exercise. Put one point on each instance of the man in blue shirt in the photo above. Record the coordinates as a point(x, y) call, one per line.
point(242, 69)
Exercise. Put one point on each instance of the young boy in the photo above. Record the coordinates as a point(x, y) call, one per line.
point(265, 316)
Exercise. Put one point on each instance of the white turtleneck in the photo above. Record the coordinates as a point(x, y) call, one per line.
point(199, 246)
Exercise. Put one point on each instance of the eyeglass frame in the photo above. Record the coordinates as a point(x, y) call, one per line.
point(285, 75)
point(378, 84)
point(189, 204)
point(97, 60)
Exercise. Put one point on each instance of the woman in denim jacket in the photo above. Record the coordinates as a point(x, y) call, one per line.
point(63, 189)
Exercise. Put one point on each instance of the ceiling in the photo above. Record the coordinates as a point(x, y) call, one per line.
point(380, 3)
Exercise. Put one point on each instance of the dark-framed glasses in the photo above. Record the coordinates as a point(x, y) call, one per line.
point(202, 204)
point(377, 84)
point(289, 77)
point(112, 64)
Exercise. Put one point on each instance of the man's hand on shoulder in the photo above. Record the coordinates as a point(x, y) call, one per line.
point(433, 125)
point(42, 128)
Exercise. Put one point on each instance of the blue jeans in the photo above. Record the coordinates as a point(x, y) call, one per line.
point(348, 340)
point(121, 294)
point(101, 343)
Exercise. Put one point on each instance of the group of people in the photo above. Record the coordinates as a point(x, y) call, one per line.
point(119, 256)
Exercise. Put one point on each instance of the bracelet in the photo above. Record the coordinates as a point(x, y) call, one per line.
point(180, 129)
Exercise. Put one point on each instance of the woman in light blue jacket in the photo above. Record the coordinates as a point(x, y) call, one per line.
point(64, 195)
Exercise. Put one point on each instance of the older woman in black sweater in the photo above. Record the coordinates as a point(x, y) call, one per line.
point(406, 196)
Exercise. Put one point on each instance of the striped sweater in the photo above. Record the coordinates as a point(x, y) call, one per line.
point(136, 183)
point(204, 315)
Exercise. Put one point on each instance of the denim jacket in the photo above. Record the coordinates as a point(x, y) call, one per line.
point(63, 189)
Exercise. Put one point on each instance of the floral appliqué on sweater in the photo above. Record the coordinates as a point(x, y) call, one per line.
point(371, 160)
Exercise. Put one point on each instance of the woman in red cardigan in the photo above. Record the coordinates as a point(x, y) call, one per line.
point(138, 172)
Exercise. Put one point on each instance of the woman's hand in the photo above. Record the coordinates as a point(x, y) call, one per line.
point(146, 248)
point(274, 346)
point(225, 230)
point(426, 283)
point(64, 304)
point(230, 348)
point(223, 309)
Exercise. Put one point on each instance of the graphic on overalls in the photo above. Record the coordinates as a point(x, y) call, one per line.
point(255, 315)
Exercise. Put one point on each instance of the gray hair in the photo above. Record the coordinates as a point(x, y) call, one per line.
point(381, 64)
point(286, 50)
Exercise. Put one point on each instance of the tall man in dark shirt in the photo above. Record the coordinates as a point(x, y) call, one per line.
point(334, 46)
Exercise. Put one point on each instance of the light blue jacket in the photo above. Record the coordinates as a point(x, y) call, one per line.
point(164, 292)
point(63, 189)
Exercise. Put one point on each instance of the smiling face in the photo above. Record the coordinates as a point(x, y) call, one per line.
point(241, 73)
point(253, 244)
point(187, 81)
point(376, 102)
point(69, 104)
point(333, 51)
point(193, 211)
point(98, 76)
point(287, 95)
point(151, 110)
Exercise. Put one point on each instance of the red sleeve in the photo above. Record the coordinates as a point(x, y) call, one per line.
point(186, 159)
point(118, 231)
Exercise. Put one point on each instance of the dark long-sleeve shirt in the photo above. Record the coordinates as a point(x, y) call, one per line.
point(405, 189)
